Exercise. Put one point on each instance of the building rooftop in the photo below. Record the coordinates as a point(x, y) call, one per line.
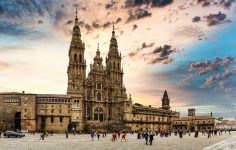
point(193, 118)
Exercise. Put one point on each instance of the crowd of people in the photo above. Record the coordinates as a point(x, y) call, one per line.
point(148, 137)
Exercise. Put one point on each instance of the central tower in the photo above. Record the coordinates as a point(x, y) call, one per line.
point(77, 64)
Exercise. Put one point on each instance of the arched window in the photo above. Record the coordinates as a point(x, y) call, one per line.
point(114, 65)
point(80, 58)
point(75, 57)
point(99, 97)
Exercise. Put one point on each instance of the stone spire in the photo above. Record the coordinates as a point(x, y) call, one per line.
point(165, 95)
point(76, 35)
point(165, 101)
point(76, 77)
point(113, 49)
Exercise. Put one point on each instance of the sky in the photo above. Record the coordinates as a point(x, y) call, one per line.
point(184, 46)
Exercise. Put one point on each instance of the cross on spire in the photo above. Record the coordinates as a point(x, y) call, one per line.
point(76, 18)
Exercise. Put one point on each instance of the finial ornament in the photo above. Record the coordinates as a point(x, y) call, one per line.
point(113, 31)
point(98, 47)
point(76, 18)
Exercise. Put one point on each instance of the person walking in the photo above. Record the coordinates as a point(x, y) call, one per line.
point(113, 137)
point(66, 134)
point(118, 133)
point(181, 134)
point(98, 136)
point(42, 135)
point(151, 138)
point(209, 134)
point(92, 136)
point(139, 135)
point(0, 133)
point(196, 134)
point(146, 137)
point(123, 136)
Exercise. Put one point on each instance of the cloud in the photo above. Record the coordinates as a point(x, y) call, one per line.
point(110, 5)
point(1, 10)
point(12, 29)
point(220, 79)
point(59, 16)
point(227, 85)
point(226, 3)
point(162, 55)
point(40, 22)
point(30, 31)
point(153, 3)
point(26, 8)
point(88, 27)
point(107, 24)
point(95, 25)
point(81, 23)
point(138, 14)
point(204, 67)
point(143, 46)
point(221, 66)
point(189, 32)
point(135, 27)
point(186, 79)
point(69, 22)
point(204, 3)
point(4, 65)
point(118, 20)
point(163, 60)
point(216, 19)
point(196, 19)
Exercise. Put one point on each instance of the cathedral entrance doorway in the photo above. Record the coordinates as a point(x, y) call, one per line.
point(18, 121)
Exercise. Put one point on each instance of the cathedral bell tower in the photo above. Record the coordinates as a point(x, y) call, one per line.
point(77, 64)
point(113, 62)
point(165, 101)
point(114, 71)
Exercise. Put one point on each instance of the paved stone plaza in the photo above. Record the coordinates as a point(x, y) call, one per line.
point(82, 142)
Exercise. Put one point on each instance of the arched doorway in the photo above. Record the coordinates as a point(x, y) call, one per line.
point(192, 127)
point(18, 121)
point(98, 114)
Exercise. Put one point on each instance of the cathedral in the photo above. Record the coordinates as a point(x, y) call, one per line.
point(102, 91)
point(98, 99)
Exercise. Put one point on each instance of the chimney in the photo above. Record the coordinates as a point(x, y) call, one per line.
point(23, 92)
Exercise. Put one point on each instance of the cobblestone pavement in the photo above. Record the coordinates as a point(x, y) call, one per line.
point(83, 142)
point(228, 144)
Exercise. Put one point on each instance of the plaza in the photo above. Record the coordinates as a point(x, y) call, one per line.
point(83, 142)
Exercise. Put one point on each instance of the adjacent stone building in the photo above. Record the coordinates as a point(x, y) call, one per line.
point(193, 122)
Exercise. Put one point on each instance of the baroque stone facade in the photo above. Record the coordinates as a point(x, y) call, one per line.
point(98, 98)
